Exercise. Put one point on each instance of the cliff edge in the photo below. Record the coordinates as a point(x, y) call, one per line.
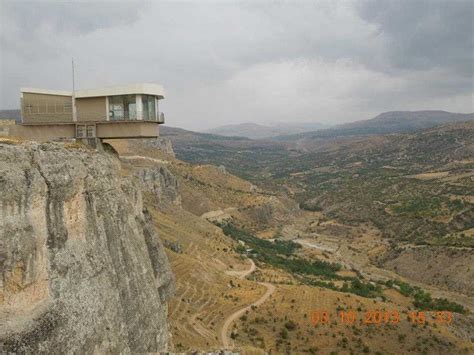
point(82, 268)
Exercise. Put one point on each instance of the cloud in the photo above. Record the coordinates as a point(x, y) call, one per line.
point(423, 34)
point(314, 90)
point(35, 29)
point(71, 17)
point(221, 62)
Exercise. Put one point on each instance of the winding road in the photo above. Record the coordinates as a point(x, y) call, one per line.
point(242, 274)
point(224, 334)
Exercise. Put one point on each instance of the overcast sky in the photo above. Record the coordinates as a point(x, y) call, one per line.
point(257, 61)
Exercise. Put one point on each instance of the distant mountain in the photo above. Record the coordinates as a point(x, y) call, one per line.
point(258, 131)
point(205, 148)
point(387, 123)
point(10, 115)
point(179, 134)
point(404, 121)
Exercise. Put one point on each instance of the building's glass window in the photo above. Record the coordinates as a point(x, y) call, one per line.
point(122, 107)
point(148, 104)
point(145, 107)
point(130, 107)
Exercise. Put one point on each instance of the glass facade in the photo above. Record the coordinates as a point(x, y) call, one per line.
point(148, 104)
point(122, 107)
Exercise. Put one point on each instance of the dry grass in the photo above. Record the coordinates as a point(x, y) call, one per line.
point(11, 140)
point(205, 295)
point(263, 326)
point(7, 122)
point(430, 176)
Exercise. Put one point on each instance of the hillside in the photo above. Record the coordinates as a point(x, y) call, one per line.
point(416, 188)
point(404, 121)
point(258, 131)
point(386, 123)
point(305, 261)
point(218, 150)
point(345, 176)
point(10, 115)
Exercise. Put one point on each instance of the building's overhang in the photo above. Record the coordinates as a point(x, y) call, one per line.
point(133, 89)
point(145, 89)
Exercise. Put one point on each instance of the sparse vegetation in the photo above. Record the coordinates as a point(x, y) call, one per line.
point(347, 194)
point(281, 254)
point(422, 300)
point(377, 179)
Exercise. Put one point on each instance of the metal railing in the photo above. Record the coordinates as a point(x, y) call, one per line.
point(122, 115)
point(161, 117)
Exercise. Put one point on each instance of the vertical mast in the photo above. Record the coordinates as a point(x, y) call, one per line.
point(74, 113)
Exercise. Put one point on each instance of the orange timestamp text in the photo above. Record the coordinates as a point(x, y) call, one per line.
point(379, 317)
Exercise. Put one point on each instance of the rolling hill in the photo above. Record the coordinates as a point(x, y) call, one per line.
point(404, 121)
point(10, 115)
point(344, 176)
point(258, 131)
point(386, 123)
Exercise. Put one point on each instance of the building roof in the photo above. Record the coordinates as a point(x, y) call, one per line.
point(143, 88)
point(147, 89)
point(46, 92)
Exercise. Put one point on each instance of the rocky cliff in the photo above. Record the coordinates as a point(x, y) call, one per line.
point(82, 269)
point(162, 144)
point(159, 185)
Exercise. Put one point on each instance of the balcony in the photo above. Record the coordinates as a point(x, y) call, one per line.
point(161, 117)
point(119, 116)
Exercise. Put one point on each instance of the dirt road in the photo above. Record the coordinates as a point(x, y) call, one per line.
point(242, 274)
point(224, 333)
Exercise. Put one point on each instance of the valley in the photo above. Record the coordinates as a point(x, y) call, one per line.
point(302, 260)
point(308, 255)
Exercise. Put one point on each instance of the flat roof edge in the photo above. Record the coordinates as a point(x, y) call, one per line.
point(146, 89)
point(142, 88)
point(46, 91)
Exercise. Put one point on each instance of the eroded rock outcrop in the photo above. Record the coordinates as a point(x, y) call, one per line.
point(159, 143)
point(159, 186)
point(82, 269)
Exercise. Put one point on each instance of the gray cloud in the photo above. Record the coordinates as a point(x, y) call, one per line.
point(41, 29)
point(67, 16)
point(423, 34)
point(222, 62)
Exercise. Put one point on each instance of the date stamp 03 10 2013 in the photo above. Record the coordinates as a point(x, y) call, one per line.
point(380, 317)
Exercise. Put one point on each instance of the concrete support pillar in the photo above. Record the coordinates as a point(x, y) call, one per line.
point(95, 143)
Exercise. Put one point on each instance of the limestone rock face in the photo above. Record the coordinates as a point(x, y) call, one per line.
point(159, 186)
point(82, 269)
point(160, 143)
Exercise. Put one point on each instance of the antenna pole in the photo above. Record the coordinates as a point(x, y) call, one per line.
point(74, 112)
